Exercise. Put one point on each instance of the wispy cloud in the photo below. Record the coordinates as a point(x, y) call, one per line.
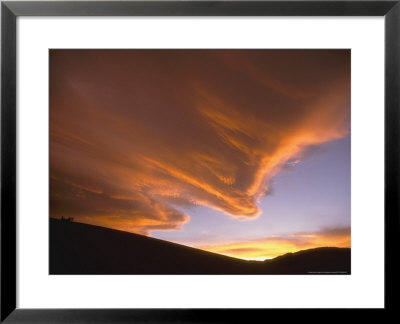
point(135, 133)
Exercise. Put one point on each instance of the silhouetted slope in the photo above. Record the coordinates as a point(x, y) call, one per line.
point(326, 259)
point(77, 248)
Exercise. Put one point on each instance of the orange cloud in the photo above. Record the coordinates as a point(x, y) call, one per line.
point(134, 134)
point(270, 247)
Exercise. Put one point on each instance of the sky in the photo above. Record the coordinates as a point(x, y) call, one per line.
point(240, 152)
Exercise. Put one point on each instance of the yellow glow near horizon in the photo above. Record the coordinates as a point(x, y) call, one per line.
point(268, 248)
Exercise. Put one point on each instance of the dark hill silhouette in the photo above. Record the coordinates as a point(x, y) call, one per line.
point(77, 248)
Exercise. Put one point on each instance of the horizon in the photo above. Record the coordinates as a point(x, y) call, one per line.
point(186, 246)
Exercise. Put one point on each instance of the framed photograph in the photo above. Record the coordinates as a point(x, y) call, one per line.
point(197, 161)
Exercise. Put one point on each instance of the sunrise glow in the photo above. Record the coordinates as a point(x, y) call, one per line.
point(244, 153)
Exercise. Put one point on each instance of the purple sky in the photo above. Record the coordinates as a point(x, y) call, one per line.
point(311, 195)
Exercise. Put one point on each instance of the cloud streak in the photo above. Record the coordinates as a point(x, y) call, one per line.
point(270, 247)
point(135, 134)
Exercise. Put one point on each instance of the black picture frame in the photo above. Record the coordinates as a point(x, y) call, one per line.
point(10, 10)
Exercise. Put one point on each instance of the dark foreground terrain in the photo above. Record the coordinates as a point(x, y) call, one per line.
point(77, 248)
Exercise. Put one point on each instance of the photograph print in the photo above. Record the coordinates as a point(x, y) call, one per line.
point(200, 161)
